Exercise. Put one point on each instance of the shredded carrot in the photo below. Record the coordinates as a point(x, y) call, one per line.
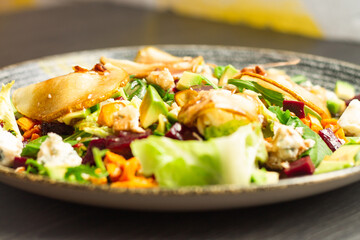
point(334, 126)
point(35, 130)
point(98, 181)
point(129, 170)
point(20, 169)
point(34, 136)
point(137, 182)
point(312, 122)
point(25, 123)
point(124, 173)
point(114, 171)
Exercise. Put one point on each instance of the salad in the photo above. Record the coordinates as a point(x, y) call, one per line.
point(169, 121)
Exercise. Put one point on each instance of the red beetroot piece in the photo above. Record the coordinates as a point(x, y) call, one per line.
point(330, 139)
point(181, 132)
point(19, 162)
point(119, 144)
point(302, 166)
point(295, 107)
point(347, 102)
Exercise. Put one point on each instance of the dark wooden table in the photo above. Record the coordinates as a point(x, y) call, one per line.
point(32, 34)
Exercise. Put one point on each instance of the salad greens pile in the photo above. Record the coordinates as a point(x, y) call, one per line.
point(173, 122)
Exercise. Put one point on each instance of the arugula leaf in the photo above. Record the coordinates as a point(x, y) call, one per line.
point(218, 71)
point(32, 148)
point(79, 171)
point(34, 167)
point(209, 82)
point(273, 97)
point(137, 87)
point(319, 150)
point(283, 116)
point(98, 155)
point(166, 96)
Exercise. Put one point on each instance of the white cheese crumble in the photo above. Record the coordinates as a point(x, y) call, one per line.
point(10, 147)
point(127, 119)
point(350, 119)
point(287, 145)
point(54, 152)
point(162, 78)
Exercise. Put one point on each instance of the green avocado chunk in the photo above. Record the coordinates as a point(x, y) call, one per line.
point(189, 79)
point(344, 90)
point(229, 72)
point(151, 106)
point(344, 157)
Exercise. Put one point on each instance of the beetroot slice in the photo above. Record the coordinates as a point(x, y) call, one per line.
point(182, 132)
point(119, 144)
point(330, 139)
point(302, 166)
point(295, 107)
point(19, 162)
point(347, 102)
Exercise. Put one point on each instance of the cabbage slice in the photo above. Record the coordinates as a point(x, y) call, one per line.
point(225, 160)
point(7, 113)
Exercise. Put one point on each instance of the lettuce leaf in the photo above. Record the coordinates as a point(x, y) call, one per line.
point(7, 114)
point(224, 160)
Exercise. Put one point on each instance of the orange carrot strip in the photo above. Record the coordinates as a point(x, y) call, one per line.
point(137, 182)
point(25, 123)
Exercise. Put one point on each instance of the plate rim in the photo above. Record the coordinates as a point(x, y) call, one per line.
point(191, 190)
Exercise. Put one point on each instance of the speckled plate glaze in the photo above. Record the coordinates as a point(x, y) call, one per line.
point(320, 70)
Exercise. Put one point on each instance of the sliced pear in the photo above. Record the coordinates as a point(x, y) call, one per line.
point(155, 55)
point(291, 91)
point(51, 99)
point(141, 70)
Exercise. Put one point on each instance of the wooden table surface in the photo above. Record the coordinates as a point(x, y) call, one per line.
point(79, 26)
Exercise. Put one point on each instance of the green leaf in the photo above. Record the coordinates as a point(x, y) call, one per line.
point(98, 155)
point(36, 168)
point(224, 160)
point(209, 82)
point(77, 173)
point(32, 148)
point(273, 97)
point(283, 116)
point(166, 96)
point(137, 87)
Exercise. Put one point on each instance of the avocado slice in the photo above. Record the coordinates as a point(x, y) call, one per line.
point(151, 107)
point(68, 118)
point(344, 157)
point(56, 173)
point(335, 105)
point(189, 79)
point(229, 72)
point(344, 90)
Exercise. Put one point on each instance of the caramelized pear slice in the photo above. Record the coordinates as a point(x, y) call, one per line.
point(58, 96)
point(155, 55)
point(291, 90)
point(141, 70)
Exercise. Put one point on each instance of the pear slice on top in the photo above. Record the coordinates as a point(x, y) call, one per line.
point(152, 59)
point(155, 55)
point(290, 90)
point(53, 98)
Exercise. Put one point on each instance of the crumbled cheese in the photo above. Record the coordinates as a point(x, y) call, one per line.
point(162, 78)
point(350, 119)
point(10, 147)
point(287, 145)
point(54, 152)
point(127, 119)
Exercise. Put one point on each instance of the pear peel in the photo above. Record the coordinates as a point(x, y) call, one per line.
point(291, 90)
point(53, 98)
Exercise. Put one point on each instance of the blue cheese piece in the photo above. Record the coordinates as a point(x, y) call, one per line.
point(10, 147)
point(54, 152)
point(350, 119)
